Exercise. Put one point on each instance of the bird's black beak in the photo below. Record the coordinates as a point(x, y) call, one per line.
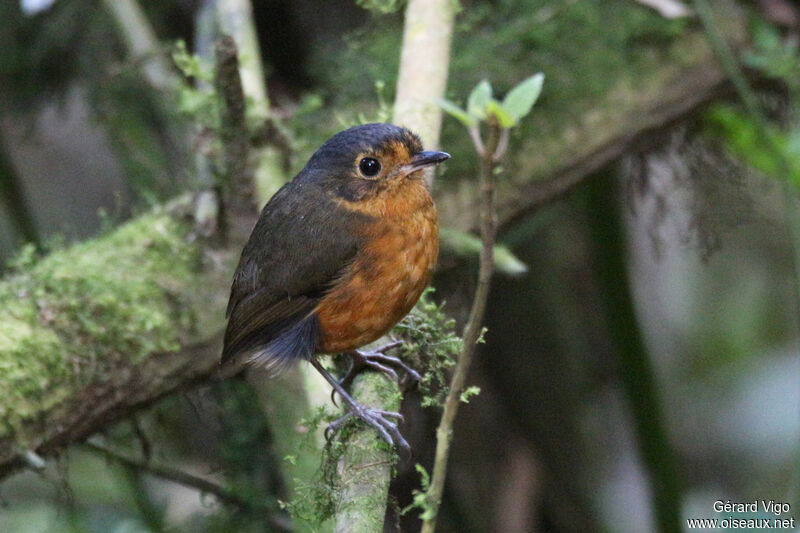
point(427, 158)
point(422, 160)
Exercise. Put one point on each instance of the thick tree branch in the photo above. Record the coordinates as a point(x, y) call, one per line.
point(93, 332)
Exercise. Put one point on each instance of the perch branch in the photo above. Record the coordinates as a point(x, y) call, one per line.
point(474, 327)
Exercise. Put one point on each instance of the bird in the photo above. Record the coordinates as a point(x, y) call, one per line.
point(338, 256)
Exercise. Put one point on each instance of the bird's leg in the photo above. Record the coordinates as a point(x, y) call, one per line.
point(374, 417)
point(378, 360)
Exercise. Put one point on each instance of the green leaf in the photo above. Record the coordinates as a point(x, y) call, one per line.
point(425, 478)
point(766, 36)
point(519, 100)
point(506, 262)
point(469, 392)
point(456, 112)
point(478, 99)
point(772, 152)
point(503, 118)
point(465, 244)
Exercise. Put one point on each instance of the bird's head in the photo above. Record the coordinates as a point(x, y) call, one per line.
point(370, 160)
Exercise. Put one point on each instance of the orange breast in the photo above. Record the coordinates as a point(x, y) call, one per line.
point(385, 279)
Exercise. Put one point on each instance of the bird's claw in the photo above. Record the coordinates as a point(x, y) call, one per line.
point(378, 360)
point(375, 418)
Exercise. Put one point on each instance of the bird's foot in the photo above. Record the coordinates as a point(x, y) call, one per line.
point(375, 418)
point(378, 360)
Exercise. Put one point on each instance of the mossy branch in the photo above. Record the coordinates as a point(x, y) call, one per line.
point(92, 332)
point(365, 466)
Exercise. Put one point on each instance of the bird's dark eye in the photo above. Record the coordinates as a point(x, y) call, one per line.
point(369, 166)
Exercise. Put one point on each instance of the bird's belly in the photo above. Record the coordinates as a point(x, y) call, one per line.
point(381, 286)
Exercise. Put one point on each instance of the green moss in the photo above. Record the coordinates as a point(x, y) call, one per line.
point(81, 311)
point(431, 345)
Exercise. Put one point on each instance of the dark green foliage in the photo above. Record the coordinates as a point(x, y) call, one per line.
point(38, 54)
point(771, 147)
point(252, 471)
point(772, 155)
point(774, 55)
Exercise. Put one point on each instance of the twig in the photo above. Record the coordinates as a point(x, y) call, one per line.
point(171, 474)
point(32, 460)
point(235, 138)
point(188, 480)
point(144, 442)
point(473, 329)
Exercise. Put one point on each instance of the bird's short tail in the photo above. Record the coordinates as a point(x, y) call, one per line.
point(277, 354)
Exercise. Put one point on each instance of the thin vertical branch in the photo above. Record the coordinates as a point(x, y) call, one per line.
point(240, 189)
point(235, 18)
point(473, 329)
point(636, 370)
point(422, 79)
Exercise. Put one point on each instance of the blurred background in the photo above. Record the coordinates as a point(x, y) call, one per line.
point(644, 363)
